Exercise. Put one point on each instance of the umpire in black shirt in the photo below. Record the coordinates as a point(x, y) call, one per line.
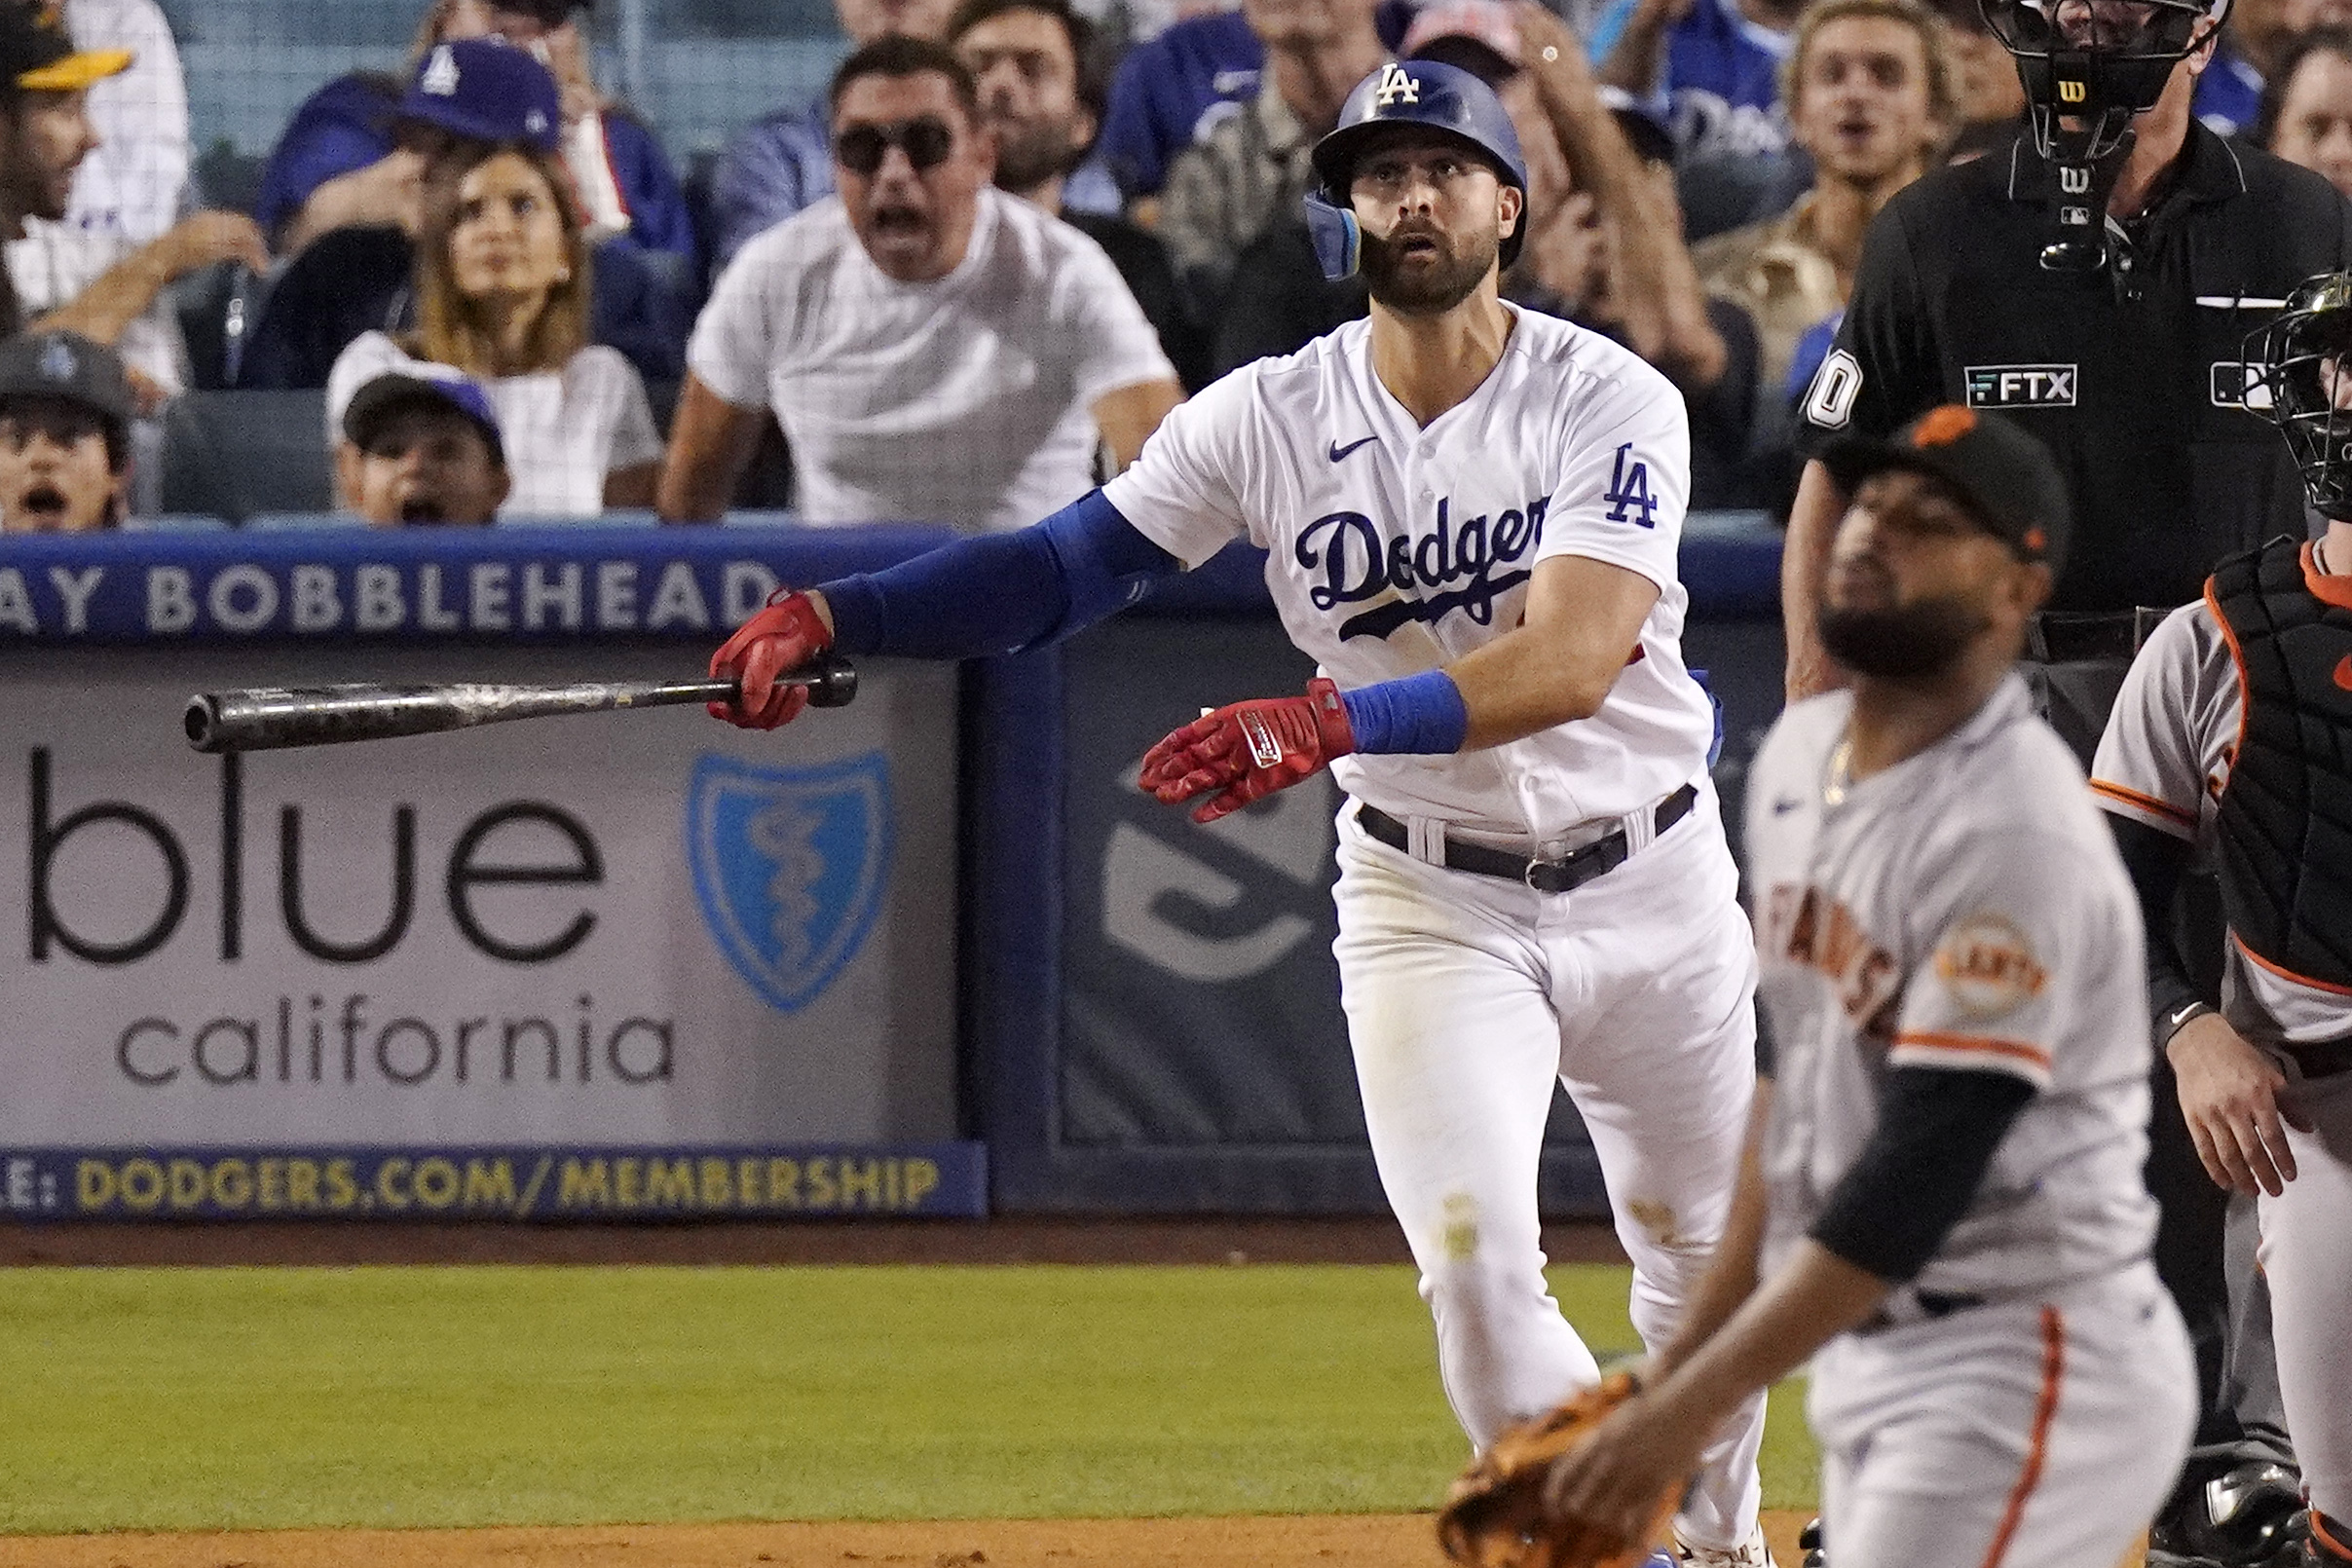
point(2129, 367)
point(2095, 282)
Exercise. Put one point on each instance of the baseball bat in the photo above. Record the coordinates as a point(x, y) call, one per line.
point(269, 718)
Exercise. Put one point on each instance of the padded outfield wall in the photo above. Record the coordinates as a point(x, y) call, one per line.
point(928, 955)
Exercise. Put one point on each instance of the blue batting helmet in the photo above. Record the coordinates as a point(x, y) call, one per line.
point(1413, 92)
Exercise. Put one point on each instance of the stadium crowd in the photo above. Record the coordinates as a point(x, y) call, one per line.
point(968, 282)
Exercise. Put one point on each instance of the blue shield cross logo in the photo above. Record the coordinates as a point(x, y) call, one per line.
point(789, 864)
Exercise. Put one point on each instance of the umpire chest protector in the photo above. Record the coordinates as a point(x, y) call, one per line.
point(2285, 820)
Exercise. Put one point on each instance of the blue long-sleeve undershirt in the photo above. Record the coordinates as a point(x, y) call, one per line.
point(1005, 593)
point(1000, 593)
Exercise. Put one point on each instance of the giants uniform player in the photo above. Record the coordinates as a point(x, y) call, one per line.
point(1942, 1204)
point(1472, 514)
point(2232, 742)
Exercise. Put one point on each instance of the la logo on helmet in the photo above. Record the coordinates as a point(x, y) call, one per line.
point(1396, 88)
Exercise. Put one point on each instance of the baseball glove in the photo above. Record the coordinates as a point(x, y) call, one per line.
point(1495, 1517)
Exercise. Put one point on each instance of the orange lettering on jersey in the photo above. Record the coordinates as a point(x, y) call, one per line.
point(1841, 943)
point(1876, 996)
point(1806, 926)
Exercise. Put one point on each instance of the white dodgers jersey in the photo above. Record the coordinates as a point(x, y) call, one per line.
point(1395, 548)
point(1964, 910)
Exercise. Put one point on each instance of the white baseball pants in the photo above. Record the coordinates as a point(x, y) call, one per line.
point(1466, 998)
point(2032, 1434)
point(2307, 1253)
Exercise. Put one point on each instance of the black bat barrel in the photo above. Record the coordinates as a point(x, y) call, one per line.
point(266, 718)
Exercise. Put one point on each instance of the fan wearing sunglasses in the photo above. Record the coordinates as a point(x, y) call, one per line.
point(935, 349)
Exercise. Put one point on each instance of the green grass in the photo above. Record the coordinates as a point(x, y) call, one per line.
point(206, 1399)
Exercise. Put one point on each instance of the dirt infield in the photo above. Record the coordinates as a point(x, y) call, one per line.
point(1363, 1540)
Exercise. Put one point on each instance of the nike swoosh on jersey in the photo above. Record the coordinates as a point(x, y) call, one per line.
point(1338, 451)
point(2343, 673)
point(1781, 808)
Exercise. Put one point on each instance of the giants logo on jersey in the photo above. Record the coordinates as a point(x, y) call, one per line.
point(1357, 563)
point(1987, 964)
point(1806, 926)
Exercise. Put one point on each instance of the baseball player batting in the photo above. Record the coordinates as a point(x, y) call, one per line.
point(1943, 1204)
point(2232, 741)
point(1472, 514)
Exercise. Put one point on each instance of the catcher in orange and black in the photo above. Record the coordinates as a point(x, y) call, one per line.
point(1940, 1201)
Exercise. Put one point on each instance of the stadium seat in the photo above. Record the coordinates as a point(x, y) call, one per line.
point(235, 454)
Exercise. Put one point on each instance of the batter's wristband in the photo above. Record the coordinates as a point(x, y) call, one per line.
point(1420, 715)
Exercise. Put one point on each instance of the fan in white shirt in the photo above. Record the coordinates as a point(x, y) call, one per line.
point(101, 267)
point(132, 184)
point(934, 349)
point(502, 295)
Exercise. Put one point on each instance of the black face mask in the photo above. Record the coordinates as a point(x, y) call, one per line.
point(1904, 642)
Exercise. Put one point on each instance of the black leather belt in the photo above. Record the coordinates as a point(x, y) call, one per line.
point(1931, 1304)
point(2078, 637)
point(2324, 1059)
point(1562, 875)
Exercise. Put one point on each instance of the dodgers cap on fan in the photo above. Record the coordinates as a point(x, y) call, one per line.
point(69, 366)
point(422, 383)
point(2006, 476)
point(486, 90)
point(37, 56)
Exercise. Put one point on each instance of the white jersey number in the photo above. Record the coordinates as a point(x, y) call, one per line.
point(1836, 386)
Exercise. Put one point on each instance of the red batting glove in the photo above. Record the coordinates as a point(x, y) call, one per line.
point(784, 636)
point(1248, 751)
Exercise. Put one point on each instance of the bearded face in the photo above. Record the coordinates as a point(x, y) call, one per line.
point(1905, 641)
point(1914, 579)
point(1025, 64)
point(1418, 269)
point(1433, 215)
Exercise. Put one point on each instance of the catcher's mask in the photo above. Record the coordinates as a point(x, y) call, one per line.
point(2095, 64)
point(1411, 93)
point(2300, 375)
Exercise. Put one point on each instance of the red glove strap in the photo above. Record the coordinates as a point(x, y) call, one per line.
point(1331, 718)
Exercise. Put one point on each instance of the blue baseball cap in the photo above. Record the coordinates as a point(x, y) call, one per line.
point(427, 384)
point(486, 90)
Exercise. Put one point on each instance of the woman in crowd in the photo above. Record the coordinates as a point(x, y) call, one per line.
point(346, 172)
point(502, 289)
point(2306, 115)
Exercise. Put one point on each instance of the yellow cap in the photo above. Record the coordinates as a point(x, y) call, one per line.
point(75, 71)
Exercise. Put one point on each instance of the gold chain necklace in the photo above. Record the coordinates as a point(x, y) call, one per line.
point(1834, 788)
